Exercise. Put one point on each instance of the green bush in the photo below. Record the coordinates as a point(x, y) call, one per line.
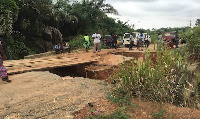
point(193, 43)
point(14, 49)
point(154, 37)
point(77, 42)
point(167, 81)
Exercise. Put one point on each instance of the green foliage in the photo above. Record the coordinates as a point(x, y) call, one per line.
point(8, 14)
point(109, 26)
point(90, 15)
point(165, 81)
point(193, 43)
point(31, 18)
point(154, 37)
point(15, 49)
point(77, 42)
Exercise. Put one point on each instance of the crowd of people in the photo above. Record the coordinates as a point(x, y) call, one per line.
point(62, 47)
point(139, 40)
point(143, 40)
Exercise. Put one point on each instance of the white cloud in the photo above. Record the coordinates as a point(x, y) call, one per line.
point(157, 13)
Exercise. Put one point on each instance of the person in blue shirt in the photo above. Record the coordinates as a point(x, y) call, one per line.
point(140, 41)
point(57, 48)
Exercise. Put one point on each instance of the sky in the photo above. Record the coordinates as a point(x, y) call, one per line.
point(149, 14)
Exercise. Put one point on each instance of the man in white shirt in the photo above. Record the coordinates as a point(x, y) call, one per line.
point(97, 41)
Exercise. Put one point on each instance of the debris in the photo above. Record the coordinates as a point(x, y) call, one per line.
point(90, 104)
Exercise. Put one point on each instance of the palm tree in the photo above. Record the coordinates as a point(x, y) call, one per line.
point(8, 14)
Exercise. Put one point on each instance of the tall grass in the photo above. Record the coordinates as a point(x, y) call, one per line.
point(167, 81)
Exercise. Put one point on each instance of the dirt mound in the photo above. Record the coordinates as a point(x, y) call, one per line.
point(45, 95)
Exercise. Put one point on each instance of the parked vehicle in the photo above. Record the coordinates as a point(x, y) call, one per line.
point(119, 42)
point(126, 38)
point(169, 38)
point(108, 38)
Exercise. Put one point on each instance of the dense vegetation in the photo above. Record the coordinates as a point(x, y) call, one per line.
point(27, 26)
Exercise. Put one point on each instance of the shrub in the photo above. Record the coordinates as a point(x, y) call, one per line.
point(14, 49)
point(168, 80)
point(77, 42)
point(193, 43)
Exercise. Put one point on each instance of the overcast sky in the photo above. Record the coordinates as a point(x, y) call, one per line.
point(150, 14)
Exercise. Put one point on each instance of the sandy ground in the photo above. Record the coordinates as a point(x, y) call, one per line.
point(46, 95)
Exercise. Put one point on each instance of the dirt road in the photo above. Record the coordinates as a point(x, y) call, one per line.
point(45, 95)
point(42, 94)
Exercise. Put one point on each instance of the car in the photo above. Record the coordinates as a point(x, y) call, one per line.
point(168, 36)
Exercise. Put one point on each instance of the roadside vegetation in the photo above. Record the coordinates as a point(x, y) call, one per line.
point(192, 37)
point(166, 80)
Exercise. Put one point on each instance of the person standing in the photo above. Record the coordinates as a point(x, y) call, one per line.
point(3, 71)
point(176, 39)
point(140, 41)
point(87, 42)
point(97, 41)
point(131, 41)
point(108, 43)
point(160, 41)
point(147, 40)
point(114, 37)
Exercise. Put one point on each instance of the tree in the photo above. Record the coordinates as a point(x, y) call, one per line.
point(8, 14)
point(90, 14)
point(197, 22)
